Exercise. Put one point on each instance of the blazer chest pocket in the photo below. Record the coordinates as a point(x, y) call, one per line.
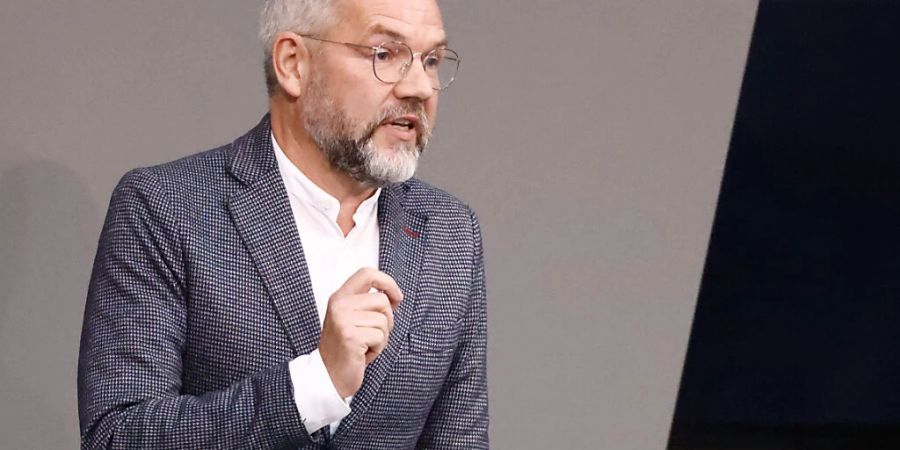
point(428, 357)
point(432, 341)
point(420, 371)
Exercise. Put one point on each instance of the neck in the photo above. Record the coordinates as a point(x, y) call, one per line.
point(298, 146)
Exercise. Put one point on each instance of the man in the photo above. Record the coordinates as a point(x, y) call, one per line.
point(296, 288)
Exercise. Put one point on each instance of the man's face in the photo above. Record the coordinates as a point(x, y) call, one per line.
point(351, 115)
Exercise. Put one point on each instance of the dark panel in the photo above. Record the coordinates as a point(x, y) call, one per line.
point(798, 318)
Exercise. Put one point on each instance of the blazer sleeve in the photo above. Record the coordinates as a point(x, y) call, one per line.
point(129, 368)
point(459, 416)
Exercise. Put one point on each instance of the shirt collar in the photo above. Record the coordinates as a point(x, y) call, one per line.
point(302, 188)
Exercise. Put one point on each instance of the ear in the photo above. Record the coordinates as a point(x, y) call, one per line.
point(290, 59)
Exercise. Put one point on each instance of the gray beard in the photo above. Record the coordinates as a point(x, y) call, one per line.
point(355, 153)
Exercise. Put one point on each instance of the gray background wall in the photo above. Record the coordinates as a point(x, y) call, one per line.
point(589, 135)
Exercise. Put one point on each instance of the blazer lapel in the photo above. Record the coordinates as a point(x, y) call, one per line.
point(262, 214)
point(402, 235)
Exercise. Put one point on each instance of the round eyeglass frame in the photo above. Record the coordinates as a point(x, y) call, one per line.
point(406, 66)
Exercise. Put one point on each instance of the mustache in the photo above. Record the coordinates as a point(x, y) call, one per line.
point(409, 107)
point(406, 107)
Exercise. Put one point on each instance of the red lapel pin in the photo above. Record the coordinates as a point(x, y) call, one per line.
point(411, 233)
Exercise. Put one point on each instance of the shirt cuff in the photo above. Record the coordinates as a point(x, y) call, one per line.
point(317, 399)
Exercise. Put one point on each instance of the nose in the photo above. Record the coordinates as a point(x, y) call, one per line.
point(416, 83)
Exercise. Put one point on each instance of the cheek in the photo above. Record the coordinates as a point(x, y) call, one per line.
point(356, 91)
point(364, 103)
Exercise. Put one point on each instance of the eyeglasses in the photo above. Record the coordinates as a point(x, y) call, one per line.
point(391, 62)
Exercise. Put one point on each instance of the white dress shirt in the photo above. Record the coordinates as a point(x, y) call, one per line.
point(331, 258)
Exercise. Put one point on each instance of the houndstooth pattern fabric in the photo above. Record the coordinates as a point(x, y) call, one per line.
point(200, 296)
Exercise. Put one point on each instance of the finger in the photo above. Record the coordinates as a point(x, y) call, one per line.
point(367, 278)
point(374, 339)
point(373, 353)
point(370, 356)
point(376, 302)
point(369, 319)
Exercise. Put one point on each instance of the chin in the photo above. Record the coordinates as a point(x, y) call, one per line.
point(388, 164)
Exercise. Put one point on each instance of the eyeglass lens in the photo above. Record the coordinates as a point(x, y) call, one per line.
point(393, 60)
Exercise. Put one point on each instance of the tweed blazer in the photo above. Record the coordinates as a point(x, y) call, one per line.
point(200, 296)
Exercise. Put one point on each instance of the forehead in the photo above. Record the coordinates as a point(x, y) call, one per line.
point(415, 21)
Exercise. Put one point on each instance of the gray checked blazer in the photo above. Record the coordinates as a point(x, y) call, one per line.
point(200, 296)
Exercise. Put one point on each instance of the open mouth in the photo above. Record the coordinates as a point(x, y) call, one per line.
point(405, 123)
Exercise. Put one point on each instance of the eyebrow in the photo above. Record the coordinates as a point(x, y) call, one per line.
point(397, 36)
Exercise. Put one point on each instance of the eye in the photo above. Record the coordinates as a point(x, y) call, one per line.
point(383, 54)
point(432, 61)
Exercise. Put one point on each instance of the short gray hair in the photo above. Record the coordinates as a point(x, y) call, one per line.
point(304, 16)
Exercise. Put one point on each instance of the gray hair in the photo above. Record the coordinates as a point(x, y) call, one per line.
point(306, 16)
